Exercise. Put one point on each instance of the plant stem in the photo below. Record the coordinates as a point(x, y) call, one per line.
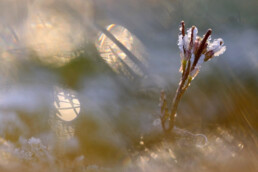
point(179, 93)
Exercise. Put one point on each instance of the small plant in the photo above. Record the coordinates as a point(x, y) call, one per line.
point(194, 51)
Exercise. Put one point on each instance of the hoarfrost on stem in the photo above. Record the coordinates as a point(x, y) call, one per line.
point(194, 51)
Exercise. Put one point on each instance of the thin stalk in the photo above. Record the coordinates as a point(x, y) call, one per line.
point(179, 93)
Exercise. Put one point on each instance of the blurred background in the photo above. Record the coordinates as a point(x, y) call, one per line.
point(80, 83)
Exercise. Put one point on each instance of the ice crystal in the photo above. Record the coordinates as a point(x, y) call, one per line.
point(195, 50)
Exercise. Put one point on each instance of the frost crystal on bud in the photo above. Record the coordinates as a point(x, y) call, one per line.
point(217, 47)
point(181, 43)
point(195, 50)
point(191, 37)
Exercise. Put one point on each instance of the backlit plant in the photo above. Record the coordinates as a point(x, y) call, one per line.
point(194, 51)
